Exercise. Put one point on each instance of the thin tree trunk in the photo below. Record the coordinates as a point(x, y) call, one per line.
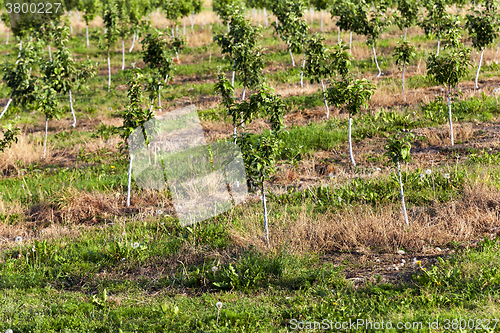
point(109, 71)
point(5, 108)
point(50, 53)
point(265, 16)
point(326, 102)
point(45, 141)
point(232, 79)
point(376, 62)
point(184, 25)
point(71, 108)
point(87, 34)
point(166, 78)
point(406, 31)
point(123, 54)
point(133, 43)
point(228, 26)
point(129, 179)
point(159, 98)
point(71, 28)
point(177, 55)
point(439, 42)
point(350, 41)
point(322, 20)
point(193, 21)
point(338, 35)
point(291, 56)
point(243, 94)
point(350, 142)
point(20, 47)
point(402, 195)
point(311, 12)
point(266, 223)
point(7, 42)
point(302, 72)
point(449, 115)
point(479, 67)
point(404, 96)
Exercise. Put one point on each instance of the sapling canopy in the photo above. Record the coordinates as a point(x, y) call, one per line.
point(404, 52)
point(18, 78)
point(157, 54)
point(352, 95)
point(321, 63)
point(107, 40)
point(62, 72)
point(398, 150)
point(240, 44)
point(407, 14)
point(483, 27)
point(134, 115)
point(292, 27)
point(448, 69)
point(90, 8)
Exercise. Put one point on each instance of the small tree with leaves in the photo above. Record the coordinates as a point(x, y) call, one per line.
point(107, 40)
point(134, 115)
point(292, 27)
point(364, 18)
point(407, 14)
point(483, 27)
point(352, 95)
point(437, 21)
point(90, 8)
point(46, 102)
point(321, 63)
point(398, 150)
point(260, 154)
point(449, 69)
point(18, 77)
point(63, 73)
point(157, 54)
point(404, 52)
point(241, 45)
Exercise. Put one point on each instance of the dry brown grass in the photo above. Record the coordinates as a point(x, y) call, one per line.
point(378, 230)
point(28, 149)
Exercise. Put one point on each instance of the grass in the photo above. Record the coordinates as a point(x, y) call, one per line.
point(88, 263)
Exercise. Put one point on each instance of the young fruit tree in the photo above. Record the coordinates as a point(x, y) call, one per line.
point(46, 101)
point(124, 28)
point(134, 115)
point(321, 63)
point(352, 95)
point(241, 44)
point(292, 27)
point(398, 150)
point(62, 72)
point(90, 8)
point(404, 52)
point(17, 76)
point(157, 55)
point(107, 40)
point(437, 21)
point(260, 152)
point(407, 14)
point(137, 11)
point(321, 6)
point(483, 28)
point(368, 19)
point(449, 69)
